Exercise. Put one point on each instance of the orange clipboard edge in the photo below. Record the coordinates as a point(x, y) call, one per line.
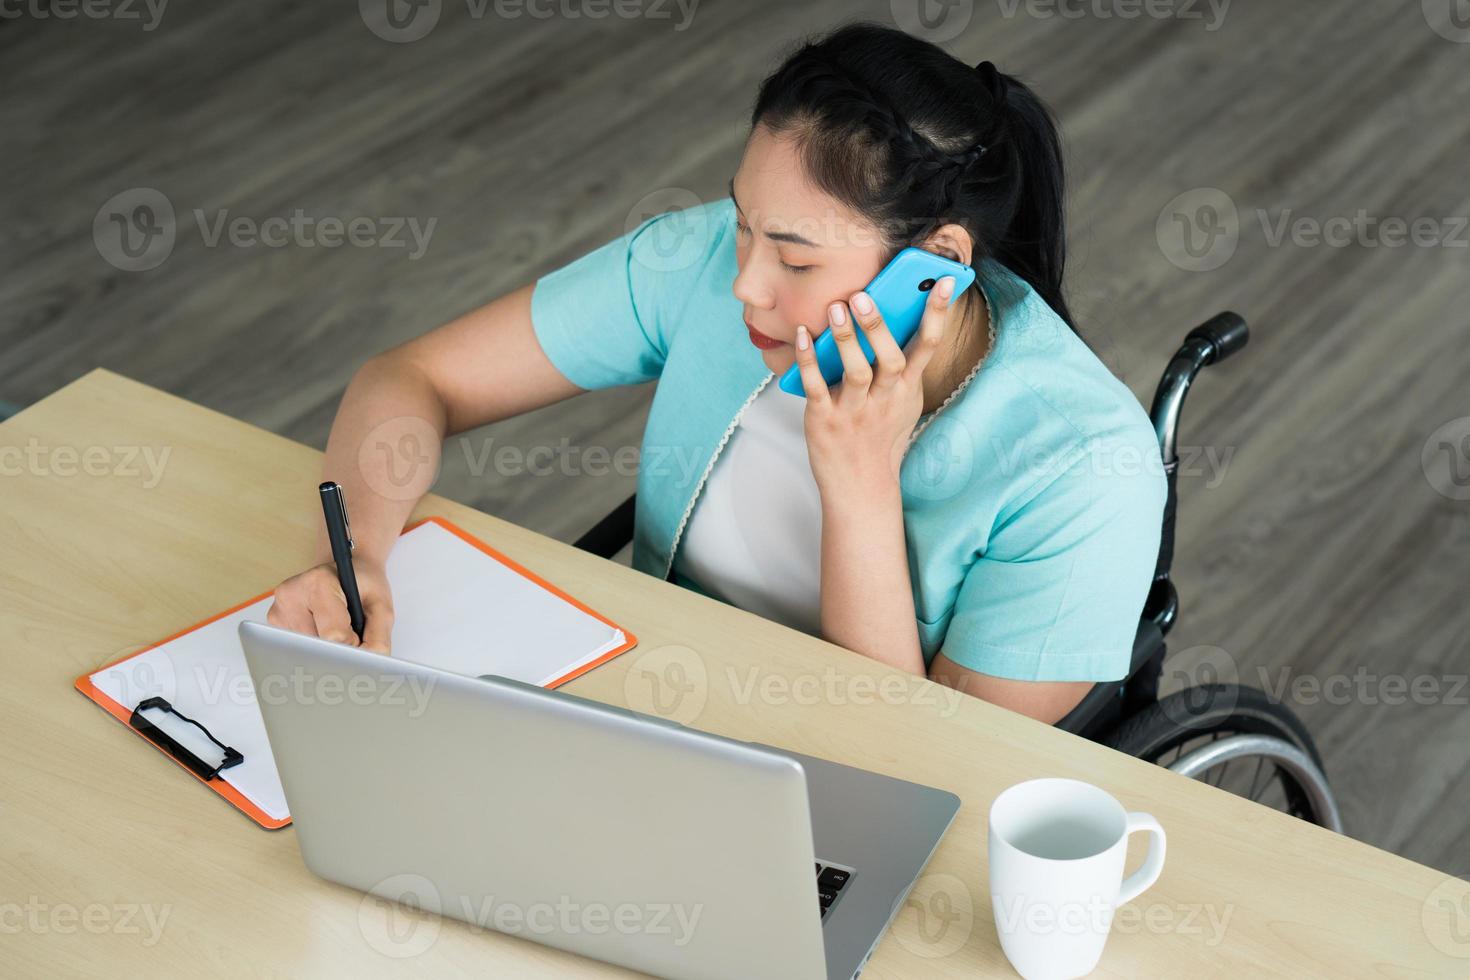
point(463, 535)
point(218, 784)
point(235, 797)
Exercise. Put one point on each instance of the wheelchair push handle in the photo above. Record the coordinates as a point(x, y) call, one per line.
point(1209, 343)
point(1219, 337)
point(1226, 333)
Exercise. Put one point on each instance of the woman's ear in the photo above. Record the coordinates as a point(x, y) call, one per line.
point(951, 241)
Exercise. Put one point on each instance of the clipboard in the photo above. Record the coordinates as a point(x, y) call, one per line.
point(447, 592)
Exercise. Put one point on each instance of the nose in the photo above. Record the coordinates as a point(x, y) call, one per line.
point(750, 288)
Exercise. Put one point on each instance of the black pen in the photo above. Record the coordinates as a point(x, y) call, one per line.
point(339, 533)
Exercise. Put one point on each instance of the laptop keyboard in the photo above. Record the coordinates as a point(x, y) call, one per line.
point(831, 879)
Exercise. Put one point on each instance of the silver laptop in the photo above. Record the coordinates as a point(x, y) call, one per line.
point(612, 834)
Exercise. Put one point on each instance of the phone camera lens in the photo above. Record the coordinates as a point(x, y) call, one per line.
point(926, 285)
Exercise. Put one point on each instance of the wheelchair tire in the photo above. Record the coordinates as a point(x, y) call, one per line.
point(1221, 711)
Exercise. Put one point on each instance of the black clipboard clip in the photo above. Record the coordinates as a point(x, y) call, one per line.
point(160, 738)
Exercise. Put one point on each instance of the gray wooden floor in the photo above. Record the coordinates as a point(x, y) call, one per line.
point(1322, 553)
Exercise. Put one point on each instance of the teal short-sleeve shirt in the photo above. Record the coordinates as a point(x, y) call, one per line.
point(1033, 501)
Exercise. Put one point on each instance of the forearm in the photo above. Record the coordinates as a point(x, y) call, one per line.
point(384, 450)
point(867, 599)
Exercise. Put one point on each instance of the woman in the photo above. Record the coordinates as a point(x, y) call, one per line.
point(983, 508)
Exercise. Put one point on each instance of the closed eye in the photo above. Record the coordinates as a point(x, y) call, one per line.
point(742, 229)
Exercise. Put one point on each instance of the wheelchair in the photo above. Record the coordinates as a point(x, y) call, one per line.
point(1203, 730)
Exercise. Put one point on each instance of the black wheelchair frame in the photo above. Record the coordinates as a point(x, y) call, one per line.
point(1240, 723)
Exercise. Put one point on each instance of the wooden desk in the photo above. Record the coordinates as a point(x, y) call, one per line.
point(113, 861)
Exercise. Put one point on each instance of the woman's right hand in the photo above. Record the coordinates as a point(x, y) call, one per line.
point(312, 603)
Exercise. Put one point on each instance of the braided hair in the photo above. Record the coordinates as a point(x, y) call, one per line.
point(911, 139)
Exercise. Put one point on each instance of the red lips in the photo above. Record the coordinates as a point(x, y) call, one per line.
point(761, 340)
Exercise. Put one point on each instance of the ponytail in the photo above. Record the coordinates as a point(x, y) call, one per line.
point(911, 139)
point(1034, 244)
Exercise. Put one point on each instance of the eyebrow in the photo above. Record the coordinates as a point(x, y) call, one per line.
point(775, 236)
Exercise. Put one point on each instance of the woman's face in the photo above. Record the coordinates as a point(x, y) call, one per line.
point(798, 249)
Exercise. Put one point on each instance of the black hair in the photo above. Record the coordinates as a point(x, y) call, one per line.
point(911, 138)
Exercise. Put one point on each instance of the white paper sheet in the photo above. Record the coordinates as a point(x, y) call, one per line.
point(455, 608)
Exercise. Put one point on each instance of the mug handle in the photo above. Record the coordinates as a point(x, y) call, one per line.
point(1143, 879)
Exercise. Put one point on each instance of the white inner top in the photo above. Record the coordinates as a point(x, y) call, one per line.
point(755, 536)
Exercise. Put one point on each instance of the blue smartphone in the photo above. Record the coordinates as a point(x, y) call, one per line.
point(899, 292)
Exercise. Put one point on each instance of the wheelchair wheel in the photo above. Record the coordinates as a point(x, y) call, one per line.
point(1239, 740)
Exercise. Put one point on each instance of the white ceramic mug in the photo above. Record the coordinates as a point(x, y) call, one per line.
point(1057, 848)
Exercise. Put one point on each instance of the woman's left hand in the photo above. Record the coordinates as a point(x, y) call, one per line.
point(857, 434)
